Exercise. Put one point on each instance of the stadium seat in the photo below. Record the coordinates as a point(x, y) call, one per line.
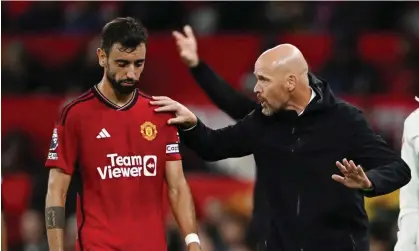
point(381, 49)
point(42, 47)
point(17, 8)
point(234, 56)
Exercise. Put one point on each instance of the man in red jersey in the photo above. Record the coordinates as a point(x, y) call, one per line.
point(122, 152)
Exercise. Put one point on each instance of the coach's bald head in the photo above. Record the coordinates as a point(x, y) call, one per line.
point(282, 79)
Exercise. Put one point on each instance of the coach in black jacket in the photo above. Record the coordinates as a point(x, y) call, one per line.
point(317, 157)
point(237, 106)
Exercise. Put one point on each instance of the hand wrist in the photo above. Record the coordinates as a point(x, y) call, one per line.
point(193, 123)
point(187, 126)
point(191, 239)
point(368, 187)
point(194, 63)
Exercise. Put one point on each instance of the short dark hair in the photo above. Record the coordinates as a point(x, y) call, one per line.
point(127, 31)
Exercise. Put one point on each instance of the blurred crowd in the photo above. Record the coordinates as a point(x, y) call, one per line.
point(345, 21)
point(221, 229)
point(211, 17)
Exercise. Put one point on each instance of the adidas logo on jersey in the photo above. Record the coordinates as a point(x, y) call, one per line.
point(128, 166)
point(103, 134)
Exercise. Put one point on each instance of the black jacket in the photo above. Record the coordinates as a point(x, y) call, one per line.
point(237, 106)
point(296, 158)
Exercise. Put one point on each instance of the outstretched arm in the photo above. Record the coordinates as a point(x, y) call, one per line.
point(228, 142)
point(181, 202)
point(232, 102)
point(235, 104)
point(55, 208)
point(211, 145)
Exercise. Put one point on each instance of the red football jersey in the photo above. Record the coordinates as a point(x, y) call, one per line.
point(119, 153)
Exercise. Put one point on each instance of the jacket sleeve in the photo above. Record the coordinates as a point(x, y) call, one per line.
point(408, 223)
point(228, 142)
point(384, 168)
point(235, 104)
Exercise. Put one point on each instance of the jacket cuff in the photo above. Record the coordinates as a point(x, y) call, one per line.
point(371, 192)
point(192, 129)
point(197, 68)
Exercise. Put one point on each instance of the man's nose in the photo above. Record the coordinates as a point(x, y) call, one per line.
point(131, 73)
point(257, 89)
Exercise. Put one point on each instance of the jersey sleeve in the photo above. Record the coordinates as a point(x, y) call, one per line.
point(172, 144)
point(63, 148)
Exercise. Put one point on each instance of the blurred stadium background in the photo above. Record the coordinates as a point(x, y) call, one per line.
point(367, 50)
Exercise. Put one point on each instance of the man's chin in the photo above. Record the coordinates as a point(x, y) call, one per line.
point(125, 89)
point(267, 111)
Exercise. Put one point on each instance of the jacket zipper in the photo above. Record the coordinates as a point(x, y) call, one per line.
point(353, 242)
point(298, 213)
point(298, 205)
point(298, 195)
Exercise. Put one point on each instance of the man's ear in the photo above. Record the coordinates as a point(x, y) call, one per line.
point(291, 82)
point(101, 56)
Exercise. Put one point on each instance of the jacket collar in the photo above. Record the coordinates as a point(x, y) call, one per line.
point(324, 99)
point(324, 95)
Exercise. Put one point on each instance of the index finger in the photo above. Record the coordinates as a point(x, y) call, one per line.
point(188, 31)
point(161, 102)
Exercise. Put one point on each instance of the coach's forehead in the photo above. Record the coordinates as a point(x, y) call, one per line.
point(117, 50)
point(264, 61)
point(265, 64)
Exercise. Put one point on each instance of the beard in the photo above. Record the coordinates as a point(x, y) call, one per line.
point(118, 86)
point(267, 110)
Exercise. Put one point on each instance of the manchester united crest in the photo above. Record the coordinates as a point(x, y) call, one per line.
point(148, 130)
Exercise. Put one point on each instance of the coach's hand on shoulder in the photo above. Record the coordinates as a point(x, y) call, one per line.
point(184, 117)
point(187, 46)
point(354, 176)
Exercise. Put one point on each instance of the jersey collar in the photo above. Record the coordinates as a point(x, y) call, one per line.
point(112, 105)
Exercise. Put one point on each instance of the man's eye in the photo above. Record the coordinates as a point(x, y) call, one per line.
point(121, 64)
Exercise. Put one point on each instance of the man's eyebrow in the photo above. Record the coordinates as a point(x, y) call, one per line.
point(261, 76)
point(142, 60)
